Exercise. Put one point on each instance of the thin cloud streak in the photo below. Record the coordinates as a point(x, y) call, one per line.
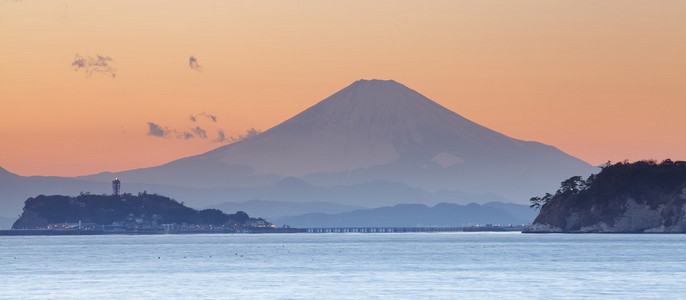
point(194, 118)
point(186, 135)
point(248, 134)
point(99, 64)
point(157, 130)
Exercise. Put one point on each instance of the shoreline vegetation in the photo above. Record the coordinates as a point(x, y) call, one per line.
point(640, 197)
point(70, 232)
point(152, 214)
point(127, 213)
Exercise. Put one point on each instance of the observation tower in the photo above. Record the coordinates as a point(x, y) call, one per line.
point(116, 186)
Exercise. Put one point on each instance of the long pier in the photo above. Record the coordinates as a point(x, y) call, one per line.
point(411, 229)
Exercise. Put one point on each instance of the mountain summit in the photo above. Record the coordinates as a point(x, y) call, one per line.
point(376, 130)
point(369, 123)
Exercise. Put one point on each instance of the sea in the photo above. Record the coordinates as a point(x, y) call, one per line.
point(477, 265)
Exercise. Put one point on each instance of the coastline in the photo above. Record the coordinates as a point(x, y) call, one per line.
point(52, 232)
point(48, 232)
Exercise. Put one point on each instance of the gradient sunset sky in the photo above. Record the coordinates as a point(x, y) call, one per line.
point(601, 80)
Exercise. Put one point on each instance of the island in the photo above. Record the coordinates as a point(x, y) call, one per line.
point(639, 197)
point(128, 214)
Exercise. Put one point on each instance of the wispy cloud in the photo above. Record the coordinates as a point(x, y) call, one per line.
point(193, 63)
point(221, 136)
point(186, 135)
point(99, 64)
point(194, 118)
point(248, 134)
point(157, 130)
point(199, 132)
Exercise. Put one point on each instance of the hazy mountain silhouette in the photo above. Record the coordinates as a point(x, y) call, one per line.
point(409, 215)
point(374, 143)
point(278, 209)
point(290, 196)
point(370, 130)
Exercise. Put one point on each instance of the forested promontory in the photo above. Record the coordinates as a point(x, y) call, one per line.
point(644, 196)
point(126, 211)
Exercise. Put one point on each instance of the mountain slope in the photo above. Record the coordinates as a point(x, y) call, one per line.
point(375, 130)
point(369, 123)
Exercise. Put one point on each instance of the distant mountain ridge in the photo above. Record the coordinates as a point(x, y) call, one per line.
point(279, 209)
point(411, 215)
point(289, 191)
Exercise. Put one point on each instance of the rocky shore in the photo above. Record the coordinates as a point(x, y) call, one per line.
point(640, 197)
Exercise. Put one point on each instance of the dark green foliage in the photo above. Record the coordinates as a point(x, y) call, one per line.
point(538, 202)
point(572, 185)
point(604, 196)
point(642, 181)
point(106, 209)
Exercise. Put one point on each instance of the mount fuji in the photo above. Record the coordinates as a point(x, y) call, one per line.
point(373, 131)
point(374, 143)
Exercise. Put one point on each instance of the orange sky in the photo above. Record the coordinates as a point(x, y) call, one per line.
point(601, 80)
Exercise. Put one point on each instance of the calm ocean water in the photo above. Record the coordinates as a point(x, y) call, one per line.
point(344, 266)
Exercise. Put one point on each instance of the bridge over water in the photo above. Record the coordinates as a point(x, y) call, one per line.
point(412, 229)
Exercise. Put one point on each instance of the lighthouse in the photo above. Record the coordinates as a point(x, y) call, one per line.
point(116, 186)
